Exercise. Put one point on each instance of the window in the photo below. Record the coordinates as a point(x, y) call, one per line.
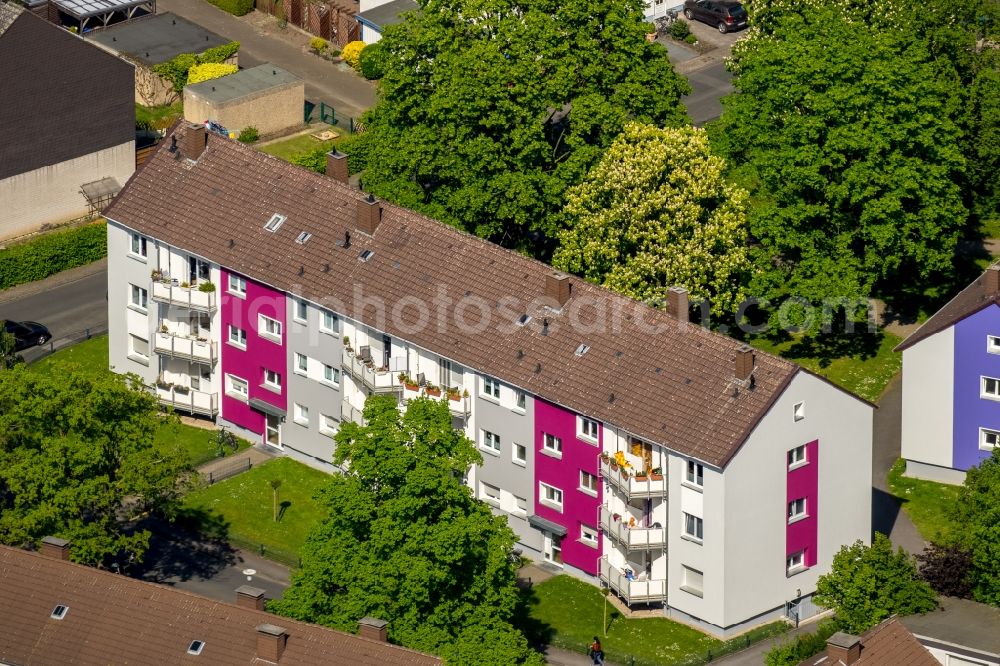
point(795, 562)
point(301, 364)
point(138, 347)
point(489, 493)
point(695, 473)
point(329, 323)
point(587, 428)
point(59, 612)
point(139, 297)
point(272, 379)
point(237, 285)
point(139, 245)
point(331, 375)
point(269, 327)
point(992, 343)
point(693, 527)
point(552, 444)
point(303, 237)
point(301, 310)
point(990, 388)
point(274, 223)
point(588, 535)
point(522, 400)
point(520, 505)
point(237, 387)
point(588, 482)
point(988, 439)
point(237, 336)
point(550, 495)
point(491, 441)
point(196, 647)
point(301, 414)
point(328, 425)
point(198, 270)
point(692, 580)
point(799, 411)
point(796, 509)
point(797, 456)
point(491, 387)
point(519, 454)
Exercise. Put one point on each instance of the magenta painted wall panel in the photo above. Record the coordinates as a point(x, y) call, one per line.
point(578, 507)
point(261, 353)
point(804, 482)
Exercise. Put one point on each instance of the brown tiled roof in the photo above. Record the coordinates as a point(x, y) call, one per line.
point(113, 619)
point(969, 301)
point(887, 644)
point(674, 386)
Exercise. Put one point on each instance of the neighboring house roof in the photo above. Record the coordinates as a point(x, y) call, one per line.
point(157, 39)
point(984, 291)
point(115, 619)
point(662, 380)
point(243, 83)
point(887, 644)
point(961, 623)
point(388, 14)
point(62, 97)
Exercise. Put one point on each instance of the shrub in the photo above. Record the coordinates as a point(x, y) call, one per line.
point(49, 254)
point(314, 159)
point(209, 71)
point(234, 7)
point(356, 149)
point(352, 53)
point(373, 61)
point(803, 646)
point(206, 287)
point(947, 568)
point(176, 69)
point(318, 44)
point(691, 39)
point(680, 29)
point(248, 135)
point(219, 53)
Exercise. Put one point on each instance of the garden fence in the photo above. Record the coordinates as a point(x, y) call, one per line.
point(227, 470)
point(34, 354)
point(286, 557)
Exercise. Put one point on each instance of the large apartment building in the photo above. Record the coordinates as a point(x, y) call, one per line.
point(624, 444)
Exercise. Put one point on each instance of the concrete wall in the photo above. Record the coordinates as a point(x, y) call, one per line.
point(270, 111)
point(126, 269)
point(51, 194)
point(928, 399)
point(972, 362)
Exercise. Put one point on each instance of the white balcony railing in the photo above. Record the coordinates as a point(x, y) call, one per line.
point(186, 297)
point(185, 347)
point(378, 380)
point(460, 406)
point(635, 591)
point(633, 538)
point(188, 400)
point(351, 413)
point(627, 483)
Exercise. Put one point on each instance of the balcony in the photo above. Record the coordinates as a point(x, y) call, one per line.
point(185, 347)
point(458, 404)
point(379, 381)
point(632, 538)
point(627, 483)
point(188, 400)
point(351, 413)
point(633, 592)
point(184, 297)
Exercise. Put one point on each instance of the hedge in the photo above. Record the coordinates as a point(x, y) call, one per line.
point(209, 71)
point(49, 254)
point(234, 7)
point(176, 69)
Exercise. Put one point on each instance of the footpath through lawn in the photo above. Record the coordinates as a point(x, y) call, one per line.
point(926, 503)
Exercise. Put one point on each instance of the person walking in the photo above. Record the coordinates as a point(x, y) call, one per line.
point(596, 653)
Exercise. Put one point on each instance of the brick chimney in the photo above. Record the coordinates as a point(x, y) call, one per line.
point(336, 165)
point(843, 647)
point(993, 279)
point(677, 304)
point(56, 548)
point(744, 363)
point(558, 288)
point(369, 214)
point(250, 597)
point(370, 627)
point(193, 141)
point(271, 642)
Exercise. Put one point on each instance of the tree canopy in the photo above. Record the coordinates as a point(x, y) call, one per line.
point(489, 109)
point(654, 213)
point(78, 461)
point(404, 540)
point(978, 512)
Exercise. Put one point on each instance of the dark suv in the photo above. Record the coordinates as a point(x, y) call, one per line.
point(725, 15)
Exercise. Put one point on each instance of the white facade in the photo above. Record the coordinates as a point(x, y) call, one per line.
point(929, 399)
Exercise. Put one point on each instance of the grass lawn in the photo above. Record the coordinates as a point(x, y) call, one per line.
point(864, 370)
point(926, 503)
point(244, 504)
point(288, 148)
point(158, 116)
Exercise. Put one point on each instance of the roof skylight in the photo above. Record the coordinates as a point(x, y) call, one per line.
point(275, 222)
point(366, 255)
point(582, 349)
point(59, 612)
point(196, 647)
point(303, 237)
point(523, 319)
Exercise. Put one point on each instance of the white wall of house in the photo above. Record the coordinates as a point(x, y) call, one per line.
point(125, 321)
point(928, 399)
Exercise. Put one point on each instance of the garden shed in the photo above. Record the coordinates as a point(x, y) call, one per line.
point(266, 97)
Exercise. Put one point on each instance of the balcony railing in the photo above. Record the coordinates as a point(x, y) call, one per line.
point(460, 406)
point(188, 400)
point(633, 592)
point(633, 538)
point(351, 413)
point(185, 347)
point(380, 381)
point(185, 297)
point(627, 483)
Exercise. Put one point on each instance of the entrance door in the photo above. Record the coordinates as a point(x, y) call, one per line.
point(272, 431)
point(552, 549)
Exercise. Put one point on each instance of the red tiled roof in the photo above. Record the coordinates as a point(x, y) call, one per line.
point(969, 301)
point(673, 385)
point(887, 644)
point(113, 619)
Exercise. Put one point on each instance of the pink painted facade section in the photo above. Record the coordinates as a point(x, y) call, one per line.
point(804, 482)
point(579, 507)
point(261, 353)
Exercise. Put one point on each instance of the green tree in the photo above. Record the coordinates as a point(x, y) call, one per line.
point(8, 357)
point(405, 541)
point(868, 584)
point(848, 139)
point(489, 110)
point(978, 511)
point(77, 460)
point(654, 213)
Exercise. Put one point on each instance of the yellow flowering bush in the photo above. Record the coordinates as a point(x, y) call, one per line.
point(352, 53)
point(208, 71)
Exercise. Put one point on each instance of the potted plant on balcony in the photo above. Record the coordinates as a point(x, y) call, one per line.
point(641, 476)
point(164, 329)
point(453, 394)
point(206, 287)
point(157, 275)
point(656, 474)
point(432, 390)
point(605, 458)
point(408, 382)
point(161, 383)
point(182, 390)
point(347, 346)
point(185, 285)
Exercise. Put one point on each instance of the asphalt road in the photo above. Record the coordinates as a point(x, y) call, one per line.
point(66, 307)
point(709, 85)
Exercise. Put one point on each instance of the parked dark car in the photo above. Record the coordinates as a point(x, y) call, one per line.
point(726, 15)
point(27, 333)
